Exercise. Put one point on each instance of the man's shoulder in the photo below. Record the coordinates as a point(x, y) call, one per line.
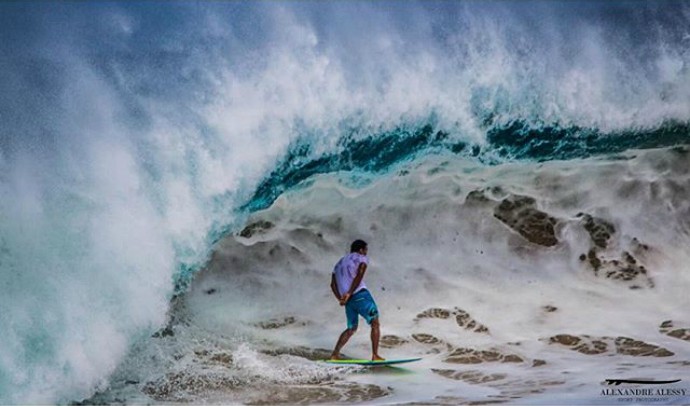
point(352, 258)
point(360, 258)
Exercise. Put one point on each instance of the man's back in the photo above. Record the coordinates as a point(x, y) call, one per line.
point(346, 270)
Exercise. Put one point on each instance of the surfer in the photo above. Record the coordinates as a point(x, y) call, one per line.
point(348, 287)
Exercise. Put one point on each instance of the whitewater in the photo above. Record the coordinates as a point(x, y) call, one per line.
point(177, 181)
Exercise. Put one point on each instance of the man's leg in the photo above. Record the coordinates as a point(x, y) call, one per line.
point(375, 336)
point(352, 321)
point(341, 341)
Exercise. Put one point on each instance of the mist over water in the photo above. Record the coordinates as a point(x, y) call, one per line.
point(136, 135)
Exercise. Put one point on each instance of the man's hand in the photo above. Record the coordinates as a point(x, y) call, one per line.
point(344, 299)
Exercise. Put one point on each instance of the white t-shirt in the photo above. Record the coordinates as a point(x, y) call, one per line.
point(346, 270)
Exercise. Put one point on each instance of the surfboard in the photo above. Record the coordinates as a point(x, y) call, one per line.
point(369, 362)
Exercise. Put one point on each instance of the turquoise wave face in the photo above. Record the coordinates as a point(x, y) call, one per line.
point(379, 153)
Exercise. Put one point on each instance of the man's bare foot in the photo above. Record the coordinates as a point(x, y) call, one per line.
point(377, 358)
point(335, 357)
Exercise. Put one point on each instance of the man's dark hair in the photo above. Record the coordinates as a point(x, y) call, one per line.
point(357, 245)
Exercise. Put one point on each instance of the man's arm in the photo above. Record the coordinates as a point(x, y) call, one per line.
point(358, 279)
point(334, 287)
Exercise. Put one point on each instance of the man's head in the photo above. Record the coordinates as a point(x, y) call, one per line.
point(359, 246)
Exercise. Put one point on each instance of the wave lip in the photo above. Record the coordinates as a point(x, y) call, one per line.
point(379, 153)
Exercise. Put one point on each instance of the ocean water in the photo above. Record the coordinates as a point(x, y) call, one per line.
point(177, 181)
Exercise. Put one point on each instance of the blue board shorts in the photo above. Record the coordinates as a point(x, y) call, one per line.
point(360, 304)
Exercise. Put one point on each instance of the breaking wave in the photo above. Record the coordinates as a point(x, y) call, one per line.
point(135, 137)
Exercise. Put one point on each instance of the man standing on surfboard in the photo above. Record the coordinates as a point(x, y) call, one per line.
point(348, 287)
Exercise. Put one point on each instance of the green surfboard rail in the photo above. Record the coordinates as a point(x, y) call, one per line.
point(370, 362)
